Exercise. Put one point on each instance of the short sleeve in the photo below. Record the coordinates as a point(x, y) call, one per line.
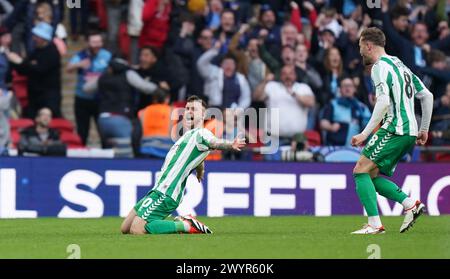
point(327, 112)
point(418, 84)
point(205, 137)
point(75, 59)
point(303, 89)
point(269, 89)
point(381, 78)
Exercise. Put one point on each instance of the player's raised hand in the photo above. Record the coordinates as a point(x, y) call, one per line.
point(422, 138)
point(358, 139)
point(238, 143)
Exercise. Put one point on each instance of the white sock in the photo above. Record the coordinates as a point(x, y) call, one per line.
point(375, 221)
point(408, 203)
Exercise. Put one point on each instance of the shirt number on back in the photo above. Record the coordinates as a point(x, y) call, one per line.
point(408, 85)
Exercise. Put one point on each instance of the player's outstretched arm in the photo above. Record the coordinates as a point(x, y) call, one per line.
point(237, 144)
point(381, 105)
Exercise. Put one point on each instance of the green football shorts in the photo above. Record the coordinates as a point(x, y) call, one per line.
point(386, 149)
point(155, 206)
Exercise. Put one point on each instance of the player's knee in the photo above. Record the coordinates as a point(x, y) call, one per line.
point(138, 226)
point(124, 229)
point(359, 168)
point(362, 167)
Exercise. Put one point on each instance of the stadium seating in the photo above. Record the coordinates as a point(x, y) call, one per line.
point(313, 137)
point(20, 123)
point(19, 87)
point(71, 139)
point(62, 125)
point(15, 137)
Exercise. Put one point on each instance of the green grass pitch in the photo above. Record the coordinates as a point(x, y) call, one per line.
point(234, 237)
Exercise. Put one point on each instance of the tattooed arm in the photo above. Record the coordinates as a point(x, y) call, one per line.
point(237, 144)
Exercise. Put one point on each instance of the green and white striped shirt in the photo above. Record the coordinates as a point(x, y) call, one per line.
point(184, 156)
point(390, 76)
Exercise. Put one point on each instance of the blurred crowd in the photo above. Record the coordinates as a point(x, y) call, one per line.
point(143, 58)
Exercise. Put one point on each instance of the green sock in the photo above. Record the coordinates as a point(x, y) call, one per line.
point(366, 193)
point(389, 189)
point(164, 227)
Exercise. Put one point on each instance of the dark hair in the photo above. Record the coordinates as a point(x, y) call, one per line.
point(118, 65)
point(399, 11)
point(289, 47)
point(195, 98)
point(328, 11)
point(374, 35)
point(229, 56)
point(152, 49)
point(93, 33)
point(326, 60)
point(436, 56)
point(227, 11)
point(344, 77)
point(419, 23)
point(160, 95)
point(187, 17)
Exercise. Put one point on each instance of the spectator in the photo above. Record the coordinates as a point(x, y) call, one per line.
point(257, 69)
point(5, 43)
point(40, 139)
point(135, 24)
point(156, 126)
point(326, 41)
point(226, 30)
point(151, 68)
point(293, 98)
point(5, 101)
point(6, 9)
point(224, 87)
point(240, 55)
point(296, 17)
point(400, 23)
point(79, 20)
point(443, 29)
point(26, 15)
point(289, 35)
point(328, 19)
point(44, 13)
point(348, 44)
point(274, 65)
point(190, 50)
point(155, 17)
point(305, 71)
point(43, 69)
point(441, 118)
point(269, 30)
point(332, 71)
point(213, 17)
point(89, 62)
point(438, 73)
point(20, 22)
point(411, 53)
point(430, 15)
point(116, 104)
point(344, 116)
